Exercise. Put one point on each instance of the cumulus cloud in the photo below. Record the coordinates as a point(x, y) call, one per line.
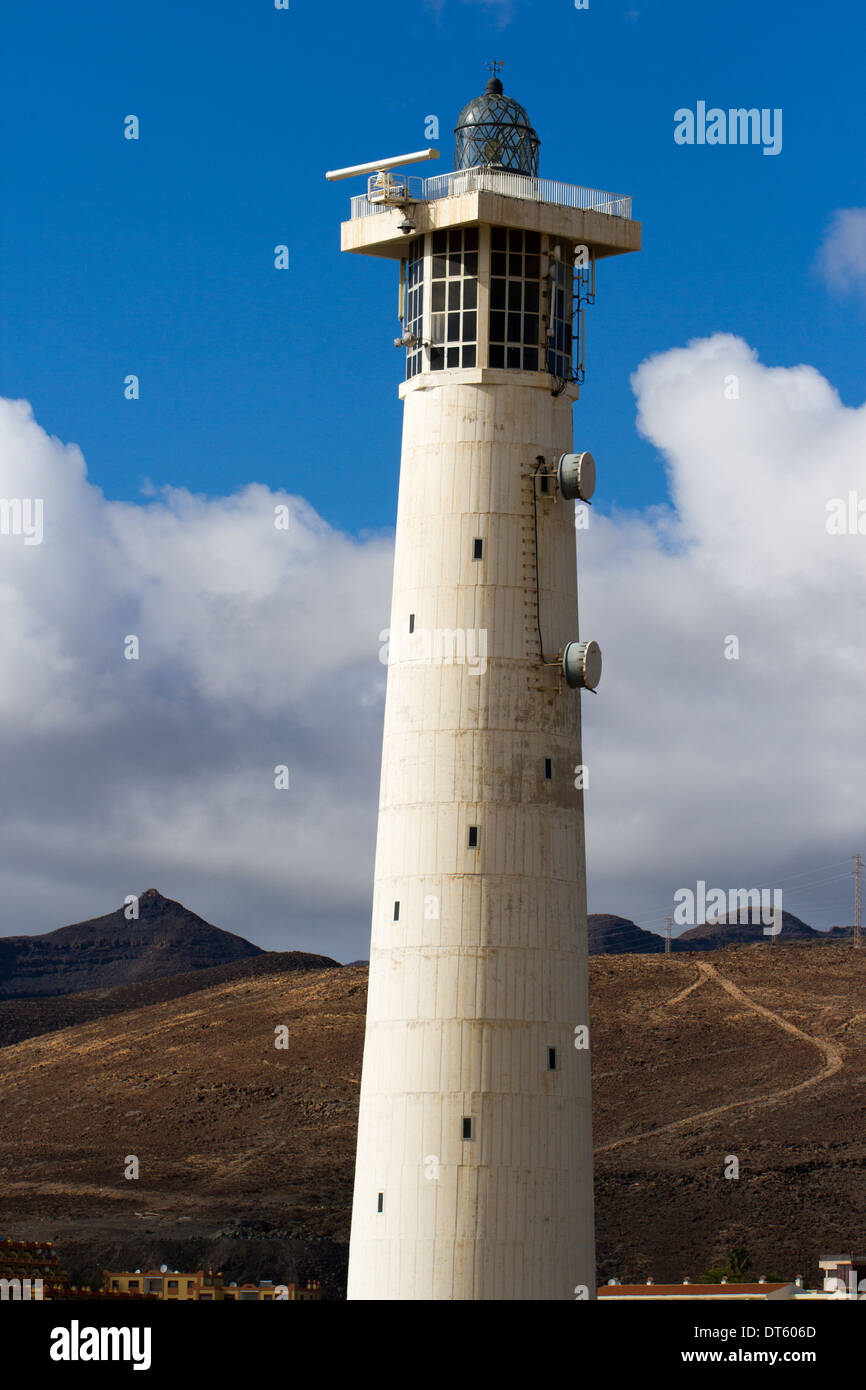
point(741, 771)
point(842, 255)
point(259, 647)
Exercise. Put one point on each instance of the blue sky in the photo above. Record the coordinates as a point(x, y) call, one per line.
point(155, 257)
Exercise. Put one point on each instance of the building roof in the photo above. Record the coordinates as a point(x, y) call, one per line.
point(691, 1290)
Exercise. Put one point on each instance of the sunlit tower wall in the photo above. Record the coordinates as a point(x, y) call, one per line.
point(474, 1174)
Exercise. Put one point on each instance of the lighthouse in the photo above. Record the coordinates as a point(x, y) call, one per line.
point(474, 1173)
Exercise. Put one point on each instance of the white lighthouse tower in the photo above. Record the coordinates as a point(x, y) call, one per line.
point(474, 1164)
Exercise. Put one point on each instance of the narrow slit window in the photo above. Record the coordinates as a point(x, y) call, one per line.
point(473, 837)
point(467, 1127)
point(396, 911)
point(545, 482)
point(478, 548)
point(551, 1059)
point(411, 622)
point(548, 769)
point(380, 1202)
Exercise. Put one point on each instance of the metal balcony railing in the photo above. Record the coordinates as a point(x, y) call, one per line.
point(501, 181)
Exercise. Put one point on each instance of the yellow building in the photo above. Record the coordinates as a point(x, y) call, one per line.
point(204, 1286)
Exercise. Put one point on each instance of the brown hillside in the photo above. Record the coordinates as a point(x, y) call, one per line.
point(749, 1052)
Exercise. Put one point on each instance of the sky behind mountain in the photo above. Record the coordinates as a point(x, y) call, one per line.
point(263, 388)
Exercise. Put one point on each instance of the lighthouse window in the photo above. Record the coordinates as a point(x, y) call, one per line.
point(396, 912)
point(548, 769)
point(467, 1127)
point(454, 298)
point(380, 1202)
point(415, 307)
point(478, 548)
point(473, 837)
point(515, 284)
point(411, 622)
point(551, 1059)
point(559, 353)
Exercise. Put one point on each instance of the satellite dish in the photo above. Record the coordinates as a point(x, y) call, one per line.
point(163, 1269)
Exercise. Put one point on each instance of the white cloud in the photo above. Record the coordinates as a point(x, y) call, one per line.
point(260, 647)
point(842, 255)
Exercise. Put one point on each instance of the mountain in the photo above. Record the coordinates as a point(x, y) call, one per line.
point(739, 928)
point(609, 935)
point(166, 939)
point(22, 1018)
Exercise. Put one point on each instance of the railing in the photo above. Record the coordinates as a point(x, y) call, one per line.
point(510, 185)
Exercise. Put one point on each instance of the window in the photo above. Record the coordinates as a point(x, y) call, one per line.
point(515, 299)
point(548, 769)
point(551, 1059)
point(544, 479)
point(380, 1202)
point(473, 837)
point(396, 912)
point(478, 548)
point(559, 354)
point(467, 1127)
point(133, 1283)
point(415, 307)
point(454, 299)
point(172, 1283)
point(411, 622)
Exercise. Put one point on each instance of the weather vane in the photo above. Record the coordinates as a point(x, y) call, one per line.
point(494, 66)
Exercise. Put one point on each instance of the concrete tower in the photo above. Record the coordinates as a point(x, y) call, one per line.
point(474, 1162)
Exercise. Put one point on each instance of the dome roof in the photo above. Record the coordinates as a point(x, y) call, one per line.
point(494, 130)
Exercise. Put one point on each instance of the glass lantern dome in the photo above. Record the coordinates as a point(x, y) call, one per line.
point(493, 131)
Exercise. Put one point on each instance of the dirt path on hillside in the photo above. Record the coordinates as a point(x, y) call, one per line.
point(833, 1061)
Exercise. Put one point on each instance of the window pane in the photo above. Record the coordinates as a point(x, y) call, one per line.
point(455, 263)
point(440, 240)
point(530, 298)
point(438, 267)
point(515, 240)
point(438, 295)
point(453, 328)
point(437, 359)
point(454, 239)
point(533, 267)
point(513, 357)
point(470, 263)
point(469, 330)
point(533, 241)
point(514, 328)
point(530, 359)
point(498, 238)
point(530, 328)
point(470, 294)
point(515, 294)
point(470, 239)
point(453, 357)
point(454, 294)
point(497, 356)
point(515, 265)
point(498, 264)
point(469, 356)
point(497, 328)
point(497, 294)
